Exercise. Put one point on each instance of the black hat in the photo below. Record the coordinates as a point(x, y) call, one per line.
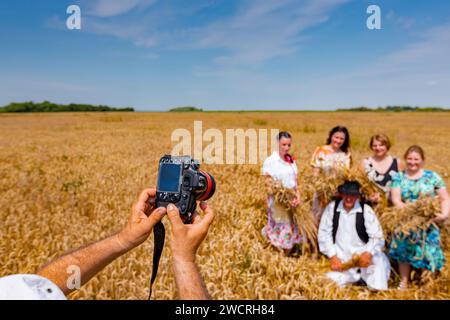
point(350, 188)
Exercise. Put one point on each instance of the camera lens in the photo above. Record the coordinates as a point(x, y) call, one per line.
point(210, 187)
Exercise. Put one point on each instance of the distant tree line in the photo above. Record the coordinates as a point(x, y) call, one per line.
point(396, 109)
point(186, 109)
point(47, 106)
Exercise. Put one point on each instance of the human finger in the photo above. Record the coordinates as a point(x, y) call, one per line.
point(174, 215)
point(146, 194)
point(196, 218)
point(208, 216)
point(157, 215)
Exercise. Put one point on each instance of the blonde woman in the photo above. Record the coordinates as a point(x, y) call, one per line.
point(419, 250)
point(381, 167)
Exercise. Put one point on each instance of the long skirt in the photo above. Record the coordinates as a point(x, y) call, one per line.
point(282, 232)
point(422, 250)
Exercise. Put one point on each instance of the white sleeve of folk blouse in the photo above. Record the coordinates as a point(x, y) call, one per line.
point(374, 231)
point(266, 169)
point(325, 236)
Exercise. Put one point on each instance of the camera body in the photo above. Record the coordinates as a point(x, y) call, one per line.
point(181, 182)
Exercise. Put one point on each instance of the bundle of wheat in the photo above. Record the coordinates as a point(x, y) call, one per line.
point(352, 263)
point(412, 217)
point(302, 213)
point(325, 186)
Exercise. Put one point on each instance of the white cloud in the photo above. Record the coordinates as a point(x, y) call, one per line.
point(418, 74)
point(111, 8)
point(400, 21)
point(121, 30)
point(256, 32)
point(260, 31)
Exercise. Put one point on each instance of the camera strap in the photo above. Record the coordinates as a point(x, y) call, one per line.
point(159, 234)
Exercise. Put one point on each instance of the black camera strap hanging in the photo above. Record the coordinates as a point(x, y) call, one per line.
point(159, 234)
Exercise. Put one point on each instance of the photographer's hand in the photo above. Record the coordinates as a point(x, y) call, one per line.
point(141, 221)
point(185, 241)
point(92, 258)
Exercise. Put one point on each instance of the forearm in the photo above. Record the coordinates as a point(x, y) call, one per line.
point(89, 259)
point(445, 207)
point(397, 203)
point(396, 198)
point(189, 281)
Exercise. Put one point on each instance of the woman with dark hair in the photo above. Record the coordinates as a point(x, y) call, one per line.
point(280, 169)
point(333, 156)
point(419, 250)
point(381, 167)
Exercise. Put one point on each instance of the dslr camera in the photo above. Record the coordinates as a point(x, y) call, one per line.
point(181, 182)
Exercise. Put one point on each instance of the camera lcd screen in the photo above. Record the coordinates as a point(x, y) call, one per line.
point(169, 177)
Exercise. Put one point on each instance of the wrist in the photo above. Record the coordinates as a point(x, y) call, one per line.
point(124, 245)
point(183, 258)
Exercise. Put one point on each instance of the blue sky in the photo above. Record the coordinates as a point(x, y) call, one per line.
point(226, 54)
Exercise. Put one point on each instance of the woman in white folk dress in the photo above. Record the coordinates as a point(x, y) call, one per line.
point(280, 168)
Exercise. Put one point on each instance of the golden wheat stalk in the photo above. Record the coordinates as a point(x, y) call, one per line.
point(302, 213)
point(325, 186)
point(352, 263)
point(412, 217)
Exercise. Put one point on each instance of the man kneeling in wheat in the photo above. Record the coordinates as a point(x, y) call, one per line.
point(350, 235)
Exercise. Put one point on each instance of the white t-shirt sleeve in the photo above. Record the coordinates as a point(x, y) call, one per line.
point(29, 287)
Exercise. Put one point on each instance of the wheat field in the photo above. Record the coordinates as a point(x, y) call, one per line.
point(70, 179)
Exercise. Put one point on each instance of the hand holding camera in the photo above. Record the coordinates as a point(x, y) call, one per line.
point(182, 183)
point(142, 219)
point(186, 238)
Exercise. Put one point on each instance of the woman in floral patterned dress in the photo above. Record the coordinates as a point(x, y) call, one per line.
point(280, 168)
point(419, 250)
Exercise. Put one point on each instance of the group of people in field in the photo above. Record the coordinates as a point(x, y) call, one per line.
point(348, 226)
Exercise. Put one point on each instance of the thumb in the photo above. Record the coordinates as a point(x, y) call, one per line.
point(156, 216)
point(174, 215)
